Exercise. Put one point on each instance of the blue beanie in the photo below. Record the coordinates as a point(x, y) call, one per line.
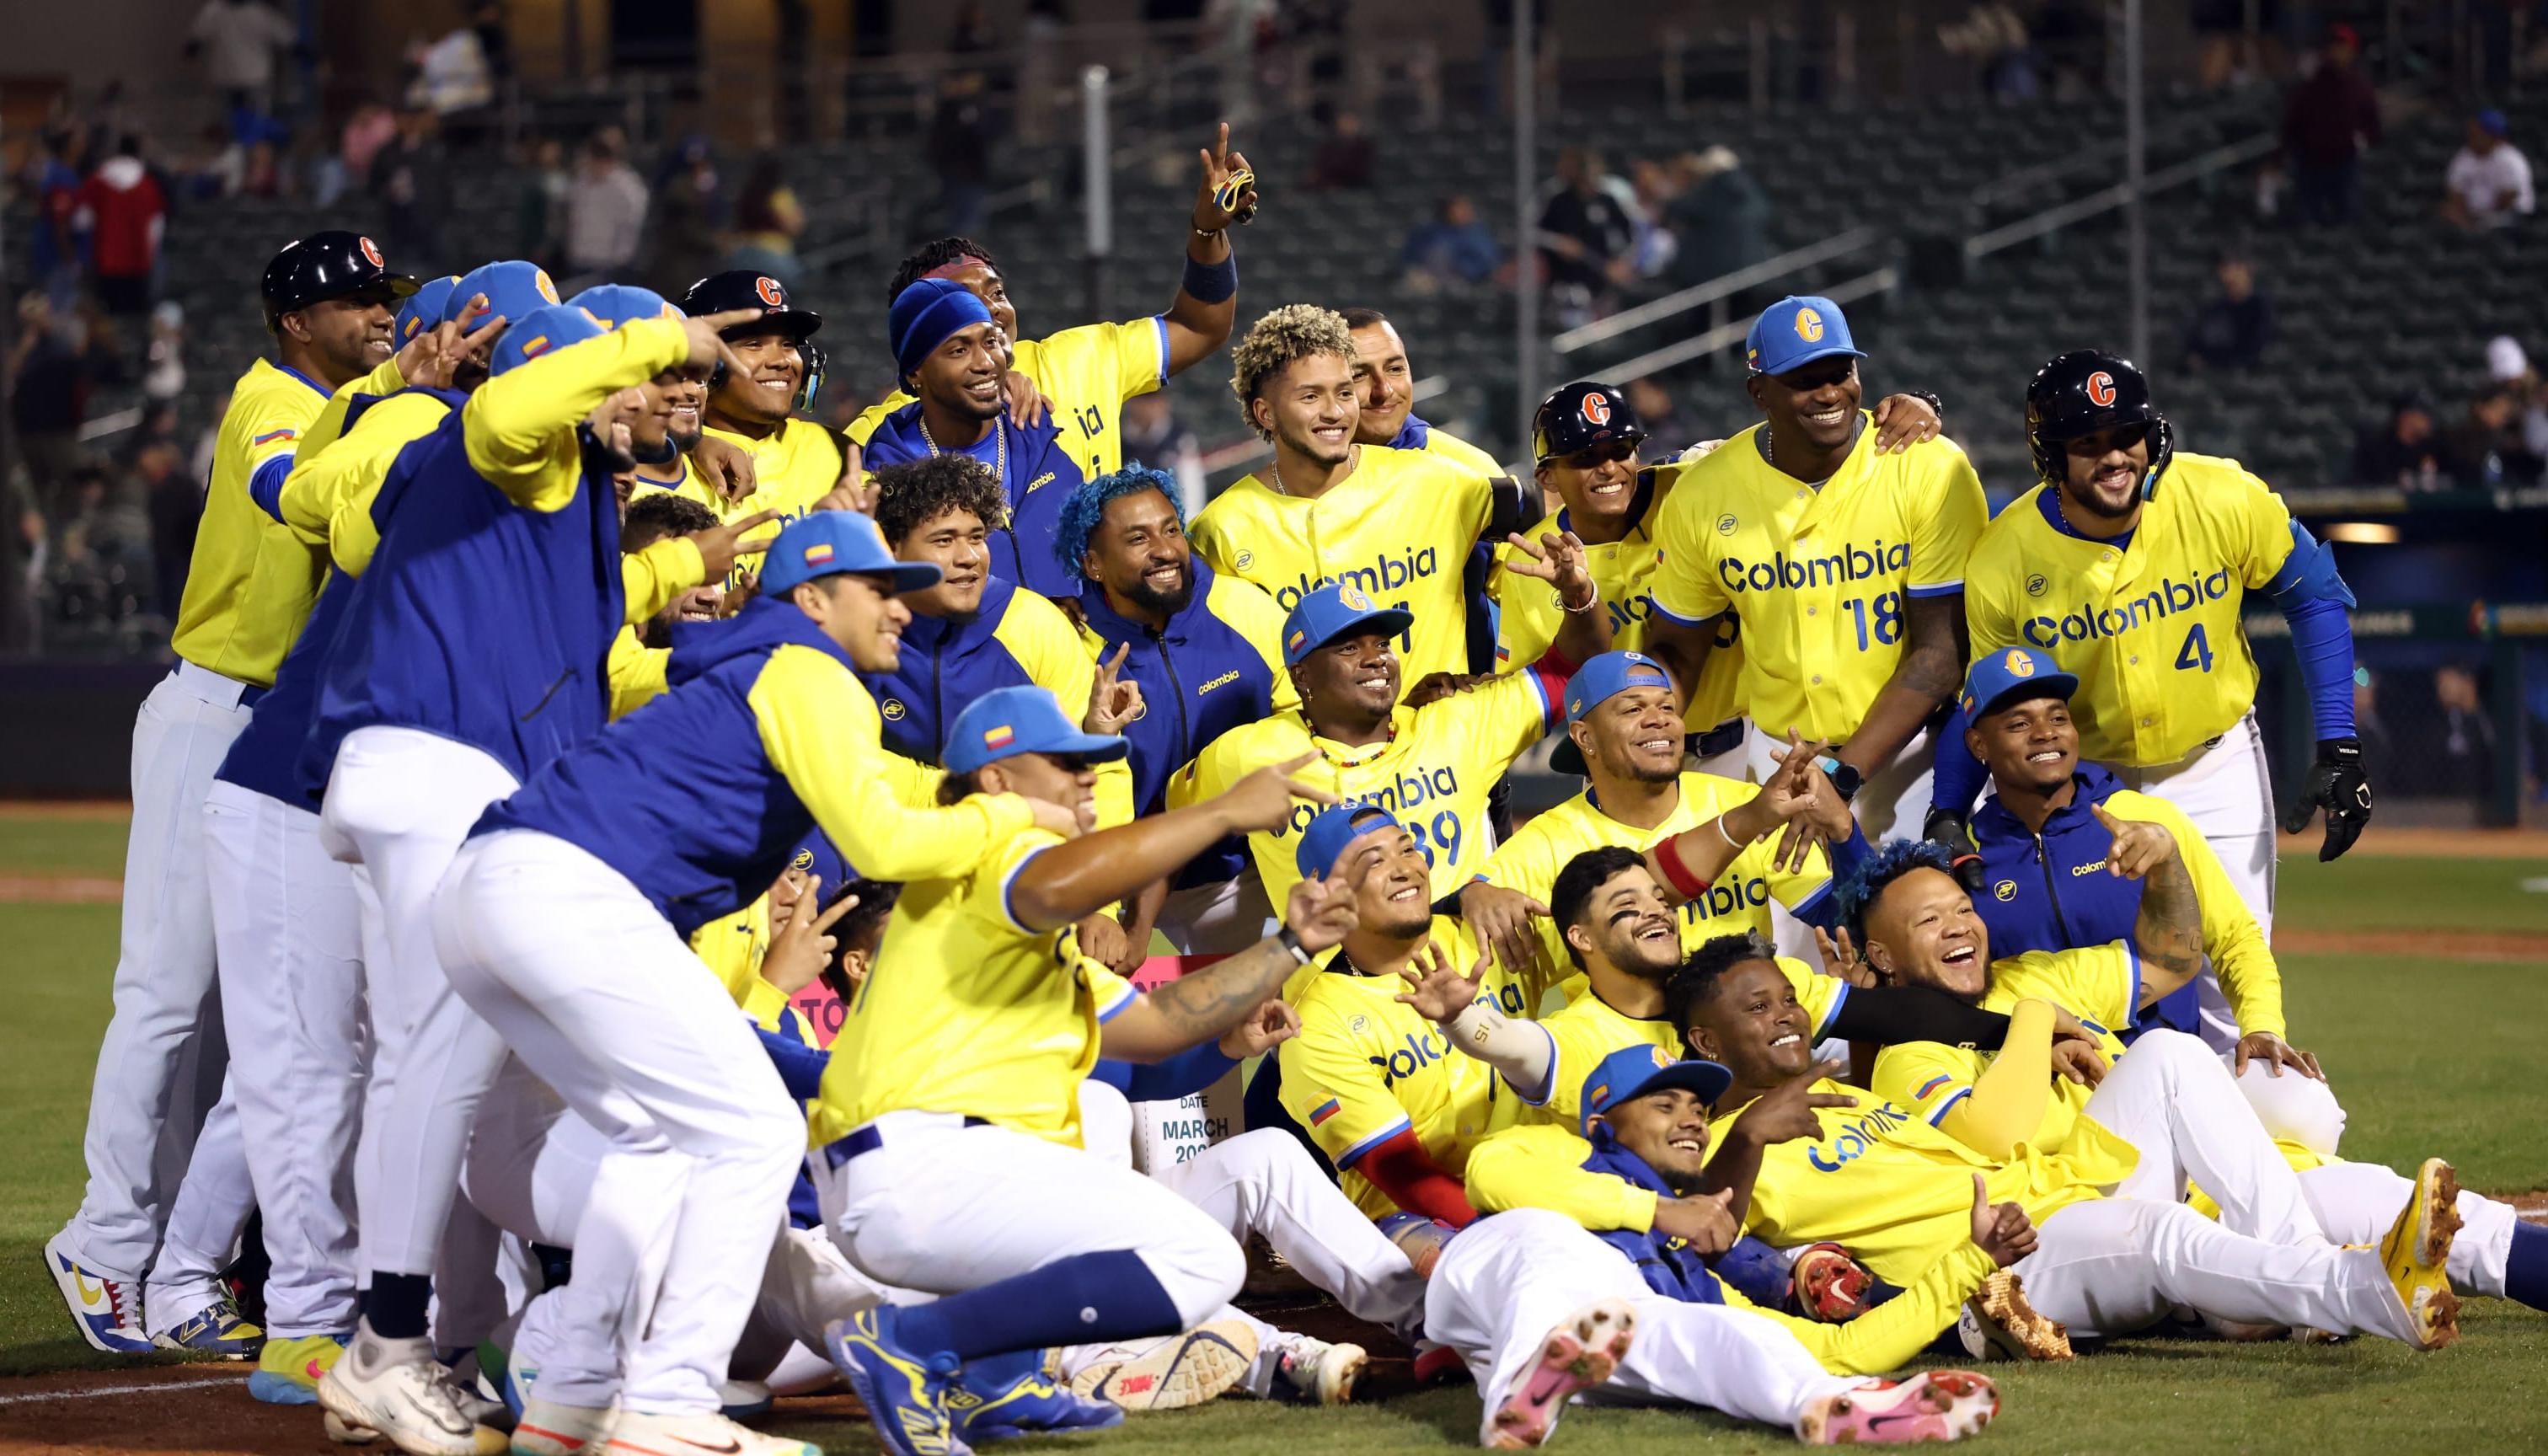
point(925, 315)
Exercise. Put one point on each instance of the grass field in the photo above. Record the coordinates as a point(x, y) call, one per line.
point(2431, 1056)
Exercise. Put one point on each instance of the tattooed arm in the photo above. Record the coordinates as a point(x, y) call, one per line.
point(2168, 930)
point(1932, 667)
point(1196, 1008)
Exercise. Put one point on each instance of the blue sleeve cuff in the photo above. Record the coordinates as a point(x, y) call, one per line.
point(265, 488)
point(1940, 589)
point(1181, 1075)
point(1159, 326)
point(1831, 1018)
point(800, 1067)
point(1958, 777)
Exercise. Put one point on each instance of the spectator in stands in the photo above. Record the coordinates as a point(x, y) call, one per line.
point(1993, 37)
point(2464, 766)
point(2405, 453)
point(1652, 187)
point(412, 181)
point(2487, 183)
point(1584, 236)
point(539, 209)
point(2329, 120)
point(960, 152)
point(2234, 328)
point(125, 215)
point(2485, 449)
point(766, 219)
point(163, 359)
point(2508, 366)
point(1155, 437)
point(174, 501)
point(1662, 420)
point(1453, 249)
point(57, 245)
point(365, 132)
point(237, 41)
point(2379, 745)
point(56, 361)
point(690, 209)
point(1346, 157)
point(606, 212)
point(1721, 218)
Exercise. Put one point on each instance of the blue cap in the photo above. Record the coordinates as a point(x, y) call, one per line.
point(422, 310)
point(615, 304)
point(1329, 612)
point(1324, 839)
point(2493, 124)
point(2011, 674)
point(1025, 719)
point(1634, 1071)
point(925, 315)
point(1795, 331)
point(514, 289)
point(830, 543)
point(543, 330)
point(1596, 682)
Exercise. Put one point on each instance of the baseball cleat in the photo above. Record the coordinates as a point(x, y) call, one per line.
point(1938, 1405)
point(1997, 1324)
point(288, 1371)
point(107, 1310)
point(696, 1433)
point(1011, 1395)
point(549, 1428)
point(2415, 1251)
point(905, 1391)
point(1176, 1372)
point(744, 1399)
point(1830, 1285)
point(395, 1389)
point(1318, 1373)
point(1439, 1364)
point(1582, 1351)
point(214, 1330)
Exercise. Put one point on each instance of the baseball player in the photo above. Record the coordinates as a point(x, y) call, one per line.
point(948, 1120)
point(753, 406)
point(1428, 766)
point(1396, 523)
point(1205, 651)
point(1085, 374)
point(1846, 567)
point(1387, 385)
point(1542, 1308)
point(2130, 562)
point(519, 573)
point(329, 300)
point(948, 352)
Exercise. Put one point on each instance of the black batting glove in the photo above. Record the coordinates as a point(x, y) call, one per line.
point(1947, 830)
point(2338, 785)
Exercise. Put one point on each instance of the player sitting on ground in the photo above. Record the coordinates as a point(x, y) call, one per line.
point(1648, 1323)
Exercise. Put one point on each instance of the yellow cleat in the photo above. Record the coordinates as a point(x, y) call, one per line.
point(2415, 1251)
point(288, 1371)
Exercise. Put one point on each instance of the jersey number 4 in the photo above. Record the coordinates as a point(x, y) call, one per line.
point(2196, 655)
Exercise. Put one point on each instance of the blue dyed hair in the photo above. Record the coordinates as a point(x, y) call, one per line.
point(1087, 506)
point(1892, 860)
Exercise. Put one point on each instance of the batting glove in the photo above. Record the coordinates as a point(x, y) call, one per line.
point(2336, 785)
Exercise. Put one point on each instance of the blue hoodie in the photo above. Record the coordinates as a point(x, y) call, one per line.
point(1041, 477)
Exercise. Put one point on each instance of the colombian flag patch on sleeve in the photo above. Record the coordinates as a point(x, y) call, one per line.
point(1323, 1111)
point(272, 435)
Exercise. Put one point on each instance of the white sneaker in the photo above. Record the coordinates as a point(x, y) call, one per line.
point(641, 1433)
point(1174, 1372)
point(1318, 1373)
point(396, 1389)
point(548, 1428)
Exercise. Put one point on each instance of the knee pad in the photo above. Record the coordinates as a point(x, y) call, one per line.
point(2294, 1108)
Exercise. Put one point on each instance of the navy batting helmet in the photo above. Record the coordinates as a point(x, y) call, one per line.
point(2086, 392)
point(743, 287)
point(334, 264)
point(1580, 416)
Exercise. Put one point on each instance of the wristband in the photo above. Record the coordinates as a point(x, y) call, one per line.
point(1291, 943)
point(1729, 835)
point(1211, 283)
point(1685, 885)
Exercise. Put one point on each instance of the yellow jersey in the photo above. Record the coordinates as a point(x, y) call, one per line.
point(1459, 452)
point(1528, 613)
point(1588, 1029)
point(250, 583)
point(1433, 771)
point(2149, 627)
point(1366, 1066)
point(1400, 527)
point(969, 1012)
point(328, 501)
point(2251, 980)
point(1087, 373)
point(794, 466)
point(1737, 902)
point(1821, 577)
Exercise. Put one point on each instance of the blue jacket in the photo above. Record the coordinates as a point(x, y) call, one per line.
point(1041, 477)
point(1670, 1267)
point(946, 663)
point(480, 620)
point(2051, 893)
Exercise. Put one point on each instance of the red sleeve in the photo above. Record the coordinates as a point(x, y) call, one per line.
point(1403, 1169)
point(1552, 671)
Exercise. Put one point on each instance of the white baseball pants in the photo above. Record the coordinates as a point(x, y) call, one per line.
point(605, 1002)
point(2293, 1107)
point(290, 933)
point(2115, 1265)
point(2226, 790)
point(2358, 1201)
point(1504, 1282)
point(1220, 919)
point(399, 803)
point(2173, 1100)
point(162, 1147)
point(1265, 1183)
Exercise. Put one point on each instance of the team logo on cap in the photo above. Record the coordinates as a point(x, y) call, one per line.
point(2101, 389)
point(819, 554)
point(372, 250)
point(1000, 737)
point(770, 292)
point(1351, 596)
point(2004, 892)
point(1601, 1094)
point(540, 281)
point(1597, 408)
point(1661, 1057)
point(1809, 325)
point(1293, 642)
point(2019, 664)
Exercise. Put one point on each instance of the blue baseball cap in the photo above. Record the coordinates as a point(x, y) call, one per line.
point(1324, 842)
point(1329, 612)
point(830, 543)
point(2493, 124)
point(615, 304)
point(1634, 1071)
point(2012, 674)
point(925, 315)
point(1596, 682)
point(423, 308)
point(543, 330)
point(513, 288)
point(1797, 330)
point(1025, 719)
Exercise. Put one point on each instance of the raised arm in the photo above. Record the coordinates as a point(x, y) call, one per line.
point(1198, 1008)
point(1070, 880)
point(1199, 319)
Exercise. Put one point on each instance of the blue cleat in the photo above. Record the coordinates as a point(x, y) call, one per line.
point(905, 1392)
point(214, 1330)
point(107, 1310)
point(1011, 1395)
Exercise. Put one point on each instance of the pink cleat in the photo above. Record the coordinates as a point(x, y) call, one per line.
point(1939, 1405)
point(1583, 1350)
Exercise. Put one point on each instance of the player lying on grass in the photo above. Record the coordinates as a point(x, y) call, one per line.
point(1542, 1308)
point(2169, 1099)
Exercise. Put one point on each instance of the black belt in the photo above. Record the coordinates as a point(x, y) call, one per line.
point(869, 1140)
point(1725, 737)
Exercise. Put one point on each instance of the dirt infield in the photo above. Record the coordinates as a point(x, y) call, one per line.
point(2432, 944)
point(61, 889)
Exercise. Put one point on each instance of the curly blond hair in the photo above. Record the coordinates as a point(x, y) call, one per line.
point(1291, 332)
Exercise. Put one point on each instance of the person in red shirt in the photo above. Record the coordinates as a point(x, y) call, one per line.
point(2328, 121)
point(126, 213)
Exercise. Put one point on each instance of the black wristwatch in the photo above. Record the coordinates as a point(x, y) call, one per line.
point(1844, 778)
point(1291, 943)
point(1933, 402)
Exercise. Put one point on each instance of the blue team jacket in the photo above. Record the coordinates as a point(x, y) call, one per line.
point(679, 796)
point(946, 663)
point(1669, 1267)
point(2041, 893)
point(1041, 477)
point(479, 620)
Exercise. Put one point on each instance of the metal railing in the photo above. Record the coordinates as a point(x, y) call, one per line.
point(1715, 290)
point(2107, 199)
point(1727, 335)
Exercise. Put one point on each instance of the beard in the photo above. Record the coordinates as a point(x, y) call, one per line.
point(1141, 593)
